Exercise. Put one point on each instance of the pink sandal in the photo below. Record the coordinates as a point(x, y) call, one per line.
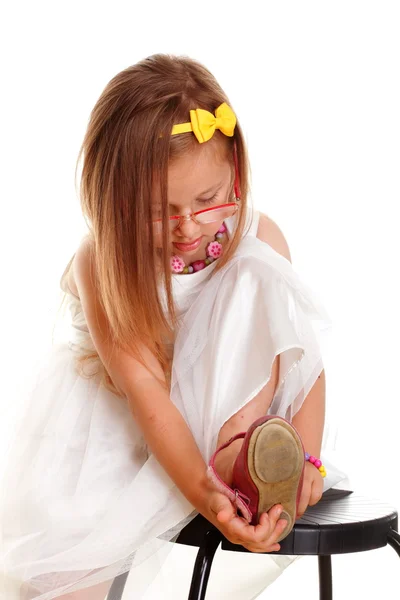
point(268, 470)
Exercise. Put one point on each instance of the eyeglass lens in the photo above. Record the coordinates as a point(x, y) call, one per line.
point(210, 216)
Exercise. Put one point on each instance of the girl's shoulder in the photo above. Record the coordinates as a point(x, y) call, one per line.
point(269, 232)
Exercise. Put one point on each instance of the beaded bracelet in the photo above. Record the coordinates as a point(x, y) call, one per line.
point(317, 463)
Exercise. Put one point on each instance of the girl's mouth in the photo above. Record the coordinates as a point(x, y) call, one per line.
point(188, 247)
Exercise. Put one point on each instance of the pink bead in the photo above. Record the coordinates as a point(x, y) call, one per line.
point(312, 459)
point(198, 265)
point(177, 264)
point(318, 463)
point(214, 249)
point(222, 229)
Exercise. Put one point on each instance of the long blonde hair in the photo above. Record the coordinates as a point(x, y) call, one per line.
point(126, 145)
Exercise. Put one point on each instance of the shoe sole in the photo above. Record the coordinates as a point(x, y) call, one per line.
point(275, 460)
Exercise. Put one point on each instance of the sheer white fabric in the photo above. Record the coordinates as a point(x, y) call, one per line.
point(83, 499)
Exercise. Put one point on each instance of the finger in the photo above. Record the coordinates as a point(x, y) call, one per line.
point(272, 516)
point(263, 550)
point(267, 523)
point(279, 529)
point(242, 530)
point(269, 544)
point(265, 544)
point(274, 527)
point(256, 534)
point(223, 509)
point(245, 533)
point(225, 515)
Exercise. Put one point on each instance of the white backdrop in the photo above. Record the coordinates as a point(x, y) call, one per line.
point(316, 88)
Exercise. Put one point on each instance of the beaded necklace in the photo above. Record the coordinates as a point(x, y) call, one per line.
point(214, 250)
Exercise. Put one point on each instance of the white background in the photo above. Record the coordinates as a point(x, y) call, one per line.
point(316, 88)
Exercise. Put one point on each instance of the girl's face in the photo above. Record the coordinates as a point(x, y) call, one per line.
point(199, 180)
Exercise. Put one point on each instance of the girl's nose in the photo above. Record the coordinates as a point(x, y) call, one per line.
point(188, 229)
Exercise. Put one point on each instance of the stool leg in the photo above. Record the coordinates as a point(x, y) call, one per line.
point(202, 567)
point(325, 577)
point(117, 588)
point(394, 540)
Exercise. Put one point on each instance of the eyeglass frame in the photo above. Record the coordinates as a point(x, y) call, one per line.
point(192, 215)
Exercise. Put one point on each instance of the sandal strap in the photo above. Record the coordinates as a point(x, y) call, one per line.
point(238, 499)
point(232, 439)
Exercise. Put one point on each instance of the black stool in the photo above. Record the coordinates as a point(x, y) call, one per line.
point(341, 522)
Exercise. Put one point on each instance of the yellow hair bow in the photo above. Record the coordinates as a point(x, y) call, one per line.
point(203, 123)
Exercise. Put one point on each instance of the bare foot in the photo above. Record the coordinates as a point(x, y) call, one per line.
point(225, 460)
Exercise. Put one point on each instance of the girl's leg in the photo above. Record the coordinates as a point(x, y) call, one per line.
point(95, 592)
point(241, 421)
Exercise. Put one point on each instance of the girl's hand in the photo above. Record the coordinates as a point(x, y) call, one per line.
point(313, 485)
point(256, 538)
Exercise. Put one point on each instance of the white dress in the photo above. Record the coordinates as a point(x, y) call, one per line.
point(83, 499)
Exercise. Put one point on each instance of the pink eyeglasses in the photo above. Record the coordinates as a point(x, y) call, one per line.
point(202, 217)
point(207, 215)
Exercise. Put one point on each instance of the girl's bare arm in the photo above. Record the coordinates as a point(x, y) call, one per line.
point(163, 426)
point(310, 419)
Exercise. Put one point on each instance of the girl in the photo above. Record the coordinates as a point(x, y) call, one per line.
point(189, 326)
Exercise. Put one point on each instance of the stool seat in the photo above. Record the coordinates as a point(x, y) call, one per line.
point(338, 524)
point(341, 522)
